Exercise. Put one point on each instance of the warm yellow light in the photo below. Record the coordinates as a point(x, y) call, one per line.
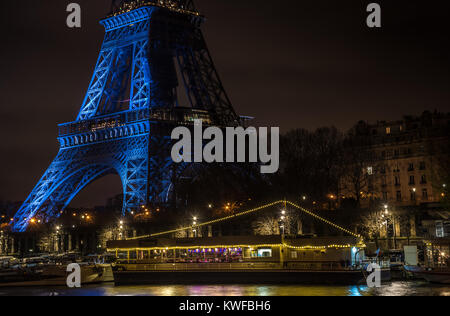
point(219, 220)
point(251, 247)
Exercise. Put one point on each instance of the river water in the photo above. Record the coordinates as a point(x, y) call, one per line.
point(390, 289)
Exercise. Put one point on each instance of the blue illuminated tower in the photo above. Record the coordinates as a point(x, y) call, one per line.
point(152, 52)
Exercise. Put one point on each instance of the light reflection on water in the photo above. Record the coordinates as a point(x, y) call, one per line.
point(391, 289)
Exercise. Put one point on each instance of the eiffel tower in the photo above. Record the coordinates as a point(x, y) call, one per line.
point(151, 51)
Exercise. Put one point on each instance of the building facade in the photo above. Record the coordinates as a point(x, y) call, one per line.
point(406, 169)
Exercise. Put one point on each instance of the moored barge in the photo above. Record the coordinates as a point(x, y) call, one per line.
point(239, 260)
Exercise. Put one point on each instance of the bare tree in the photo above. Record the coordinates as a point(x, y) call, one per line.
point(359, 165)
point(266, 226)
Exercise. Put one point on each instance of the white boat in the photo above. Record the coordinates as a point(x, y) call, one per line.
point(56, 275)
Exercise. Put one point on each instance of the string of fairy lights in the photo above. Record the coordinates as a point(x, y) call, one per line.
point(216, 248)
point(323, 219)
point(284, 202)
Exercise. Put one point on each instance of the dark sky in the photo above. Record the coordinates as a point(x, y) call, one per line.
point(290, 63)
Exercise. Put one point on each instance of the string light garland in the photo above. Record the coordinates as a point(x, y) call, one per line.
point(237, 247)
point(243, 214)
point(323, 219)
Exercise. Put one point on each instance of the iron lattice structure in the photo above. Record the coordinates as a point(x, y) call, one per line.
point(150, 49)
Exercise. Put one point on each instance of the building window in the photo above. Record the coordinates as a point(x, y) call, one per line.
point(411, 167)
point(396, 152)
point(262, 253)
point(399, 196)
point(385, 196)
point(440, 229)
point(397, 181)
point(424, 194)
point(413, 195)
point(383, 170)
point(293, 254)
point(370, 171)
point(423, 180)
point(388, 130)
point(412, 180)
point(423, 166)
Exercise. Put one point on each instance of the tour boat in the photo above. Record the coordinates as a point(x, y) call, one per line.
point(240, 260)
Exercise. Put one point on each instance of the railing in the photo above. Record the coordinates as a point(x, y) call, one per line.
point(133, 265)
point(180, 116)
point(201, 266)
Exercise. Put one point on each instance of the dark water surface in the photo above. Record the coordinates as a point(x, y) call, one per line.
point(390, 289)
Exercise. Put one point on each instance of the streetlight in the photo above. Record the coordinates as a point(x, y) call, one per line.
point(194, 223)
point(281, 222)
point(391, 216)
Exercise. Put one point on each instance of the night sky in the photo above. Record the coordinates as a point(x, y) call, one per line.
point(290, 63)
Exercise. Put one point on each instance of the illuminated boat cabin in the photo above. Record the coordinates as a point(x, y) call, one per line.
point(300, 252)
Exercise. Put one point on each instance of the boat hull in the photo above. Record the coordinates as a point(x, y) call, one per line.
point(57, 276)
point(435, 277)
point(432, 276)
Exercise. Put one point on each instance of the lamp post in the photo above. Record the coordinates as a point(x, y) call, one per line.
point(282, 226)
point(121, 229)
point(391, 216)
point(194, 229)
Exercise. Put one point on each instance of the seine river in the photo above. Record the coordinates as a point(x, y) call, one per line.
point(391, 289)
